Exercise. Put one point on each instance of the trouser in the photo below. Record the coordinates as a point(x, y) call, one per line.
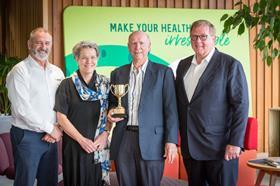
point(131, 168)
point(211, 172)
point(33, 158)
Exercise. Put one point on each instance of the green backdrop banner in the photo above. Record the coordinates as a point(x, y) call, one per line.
point(169, 30)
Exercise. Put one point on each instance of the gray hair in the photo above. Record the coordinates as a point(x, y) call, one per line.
point(85, 44)
point(36, 30)
point(204, 23)
point(139, 31)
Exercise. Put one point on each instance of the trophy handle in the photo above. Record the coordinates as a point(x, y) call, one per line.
point(125, 87)
point(112, 91)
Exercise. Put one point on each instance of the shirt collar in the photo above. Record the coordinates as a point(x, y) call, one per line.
point(209, 56)
point(206, 59)
point(142, 68)
point(34, 63)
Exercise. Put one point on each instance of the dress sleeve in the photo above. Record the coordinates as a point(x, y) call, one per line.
point(62, 97)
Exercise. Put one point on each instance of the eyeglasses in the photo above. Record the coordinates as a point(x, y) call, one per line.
point(201, 37)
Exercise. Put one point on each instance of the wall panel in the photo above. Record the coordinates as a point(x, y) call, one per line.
point(275, 83)
point(187, 3)
point(57, 29)
point(195, 4)
point(179, 3)
point(220, 4)
point(98, 2)
point(204, 4)
point(212, 4)
point(170, 4)
point(23, 16)
point(20, 17)
point(267, 101)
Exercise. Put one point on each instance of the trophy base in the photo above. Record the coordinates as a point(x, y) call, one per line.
point(119, 112)
point(119, 115)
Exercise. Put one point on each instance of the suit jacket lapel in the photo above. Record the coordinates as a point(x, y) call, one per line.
point(207, 75)
point(148, 82)
point(185, 69)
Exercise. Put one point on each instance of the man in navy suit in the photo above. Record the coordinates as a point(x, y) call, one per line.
point(212, 97)
point(149, 134)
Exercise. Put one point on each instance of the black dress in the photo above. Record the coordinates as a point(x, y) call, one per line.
point(78, 166)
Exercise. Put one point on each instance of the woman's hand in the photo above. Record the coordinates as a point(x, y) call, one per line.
point(68, 127)
point(101, 140)
point(87, 145)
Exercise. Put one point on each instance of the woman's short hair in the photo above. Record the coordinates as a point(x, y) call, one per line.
point(85, 44)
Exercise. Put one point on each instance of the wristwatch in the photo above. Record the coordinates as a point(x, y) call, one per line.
point(107, 130)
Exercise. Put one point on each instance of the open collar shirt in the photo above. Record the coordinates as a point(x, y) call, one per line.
point(31, 90)
point(194, 73)
point(134, 92)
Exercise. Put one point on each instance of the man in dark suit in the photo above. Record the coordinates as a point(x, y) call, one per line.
point(150, 132)
point(212, 99)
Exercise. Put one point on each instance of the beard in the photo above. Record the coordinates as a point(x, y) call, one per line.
point(42, 55)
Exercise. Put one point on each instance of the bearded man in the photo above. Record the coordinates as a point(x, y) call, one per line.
point(32, 84)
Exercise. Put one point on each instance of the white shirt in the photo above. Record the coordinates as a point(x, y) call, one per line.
point(194, 73)
point(31, 90)
point(134, 92)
